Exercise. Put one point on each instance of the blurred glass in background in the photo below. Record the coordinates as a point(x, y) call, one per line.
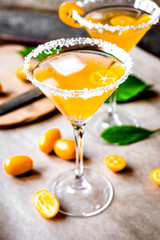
point(33, 22)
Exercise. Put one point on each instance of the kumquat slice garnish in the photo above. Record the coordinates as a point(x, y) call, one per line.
point(103, 77)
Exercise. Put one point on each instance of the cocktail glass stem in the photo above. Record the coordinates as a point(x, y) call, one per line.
point(112, 117)
point(112, 105)
point(80, 182)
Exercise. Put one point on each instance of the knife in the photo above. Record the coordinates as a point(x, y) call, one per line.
point(21, 100)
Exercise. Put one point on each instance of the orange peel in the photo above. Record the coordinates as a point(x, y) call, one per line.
point(65, 13)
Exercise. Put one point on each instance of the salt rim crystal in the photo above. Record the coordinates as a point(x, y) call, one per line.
point(146, 5)
point(85, 93)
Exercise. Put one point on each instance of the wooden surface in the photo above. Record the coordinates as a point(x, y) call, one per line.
point(10, 60)
point(134, 211)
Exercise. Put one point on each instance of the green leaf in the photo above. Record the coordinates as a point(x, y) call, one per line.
point(123, 135)
point(42, 55)
point(130, 89)
point(24, 52)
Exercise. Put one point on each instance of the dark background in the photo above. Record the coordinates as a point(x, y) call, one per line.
point(31, 22)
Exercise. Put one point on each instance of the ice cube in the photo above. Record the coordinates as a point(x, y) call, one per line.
point(50, 82)
point(68, 64)
point(97, 15)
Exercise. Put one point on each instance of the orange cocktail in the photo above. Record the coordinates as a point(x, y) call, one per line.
point(81, 74)
point(119, 16)
point(121, 22)
point(79, 70)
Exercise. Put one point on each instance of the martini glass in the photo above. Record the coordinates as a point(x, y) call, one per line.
point(123, 22)
point(69, 79)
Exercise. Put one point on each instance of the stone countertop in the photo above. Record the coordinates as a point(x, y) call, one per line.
point(134, 211)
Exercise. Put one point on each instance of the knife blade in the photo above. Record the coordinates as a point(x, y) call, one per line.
point(20, 100)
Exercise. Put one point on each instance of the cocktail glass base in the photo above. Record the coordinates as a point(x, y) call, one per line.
point(100, 121)
point(89, 198)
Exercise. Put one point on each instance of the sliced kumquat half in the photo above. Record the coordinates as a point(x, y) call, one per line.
point(155, 176)
point(103, 77)
point(66, 12)
point(143, 19)
point(122, 21)
point(115, 163)
point(118, 68)
point(46, 203)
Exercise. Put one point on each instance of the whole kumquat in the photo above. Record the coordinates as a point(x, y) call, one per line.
point(1, 88)
point(46, 203)
point(65, 148)
point(48, 139)
point(21, 74)
point(115, 163)
point(155, 176)
point(17, 165)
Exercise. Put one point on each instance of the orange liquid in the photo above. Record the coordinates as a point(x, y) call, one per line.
point(76, 78)
point(129, 38)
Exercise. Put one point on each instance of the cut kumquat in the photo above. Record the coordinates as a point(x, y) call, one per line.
point(46, 203)
point(66, 11)
point(103, 77)
point(155, 176)
point(122, 21)
point(115, 163)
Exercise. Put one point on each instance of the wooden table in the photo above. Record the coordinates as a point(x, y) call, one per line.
point(134, 211)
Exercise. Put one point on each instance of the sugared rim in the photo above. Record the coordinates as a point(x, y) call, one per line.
point(85, 93)
point(145, 5)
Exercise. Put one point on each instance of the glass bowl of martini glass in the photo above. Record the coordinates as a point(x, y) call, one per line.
point(70, 75)
point(122, 22)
